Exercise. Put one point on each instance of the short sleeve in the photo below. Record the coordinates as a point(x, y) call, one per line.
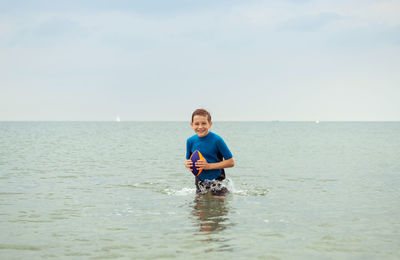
point(223, 148)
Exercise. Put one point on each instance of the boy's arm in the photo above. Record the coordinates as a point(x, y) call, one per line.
point(188, 163)
point(212, 166)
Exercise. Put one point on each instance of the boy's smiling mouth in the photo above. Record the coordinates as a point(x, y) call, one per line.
point(202, 131)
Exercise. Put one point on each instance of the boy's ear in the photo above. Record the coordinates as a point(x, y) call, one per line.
point(191, 124)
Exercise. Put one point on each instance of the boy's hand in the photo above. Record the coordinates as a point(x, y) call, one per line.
point(189, 164)
point(202, 164)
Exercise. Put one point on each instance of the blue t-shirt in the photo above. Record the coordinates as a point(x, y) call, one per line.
point(213, 148)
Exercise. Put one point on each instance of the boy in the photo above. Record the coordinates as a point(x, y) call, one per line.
point(216, 154)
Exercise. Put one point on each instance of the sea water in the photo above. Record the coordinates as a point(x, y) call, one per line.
point(119, 190)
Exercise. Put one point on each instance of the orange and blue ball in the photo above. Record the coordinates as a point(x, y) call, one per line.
point(196, 155)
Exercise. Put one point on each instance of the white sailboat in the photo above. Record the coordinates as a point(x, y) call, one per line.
point(117, 119)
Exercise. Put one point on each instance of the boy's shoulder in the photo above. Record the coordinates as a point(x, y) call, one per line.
point(192, 138)
point(215, 136)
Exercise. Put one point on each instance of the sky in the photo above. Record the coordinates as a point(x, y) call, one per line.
point(156, 60)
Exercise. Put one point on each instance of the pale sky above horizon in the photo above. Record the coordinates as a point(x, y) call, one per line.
point(159, 60)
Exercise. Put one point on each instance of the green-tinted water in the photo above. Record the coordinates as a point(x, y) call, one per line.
point(121, 191)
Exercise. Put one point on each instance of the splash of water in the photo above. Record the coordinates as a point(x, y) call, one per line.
point(181, 192)
point(227, 183)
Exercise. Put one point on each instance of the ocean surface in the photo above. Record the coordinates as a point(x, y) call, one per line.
point(119, 190)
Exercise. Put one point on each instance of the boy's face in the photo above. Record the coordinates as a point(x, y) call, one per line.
point(201, 125)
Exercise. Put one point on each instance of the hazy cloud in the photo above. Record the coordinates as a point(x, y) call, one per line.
point(262, 60)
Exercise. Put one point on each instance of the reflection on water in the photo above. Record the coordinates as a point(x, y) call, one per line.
point(211, 213)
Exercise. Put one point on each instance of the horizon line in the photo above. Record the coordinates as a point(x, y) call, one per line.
point(166, 121)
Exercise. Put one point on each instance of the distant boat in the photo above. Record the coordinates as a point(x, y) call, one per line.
point(118, 119)
point(317, 122)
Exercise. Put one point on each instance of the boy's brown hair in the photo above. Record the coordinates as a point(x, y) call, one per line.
point(202, 112)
